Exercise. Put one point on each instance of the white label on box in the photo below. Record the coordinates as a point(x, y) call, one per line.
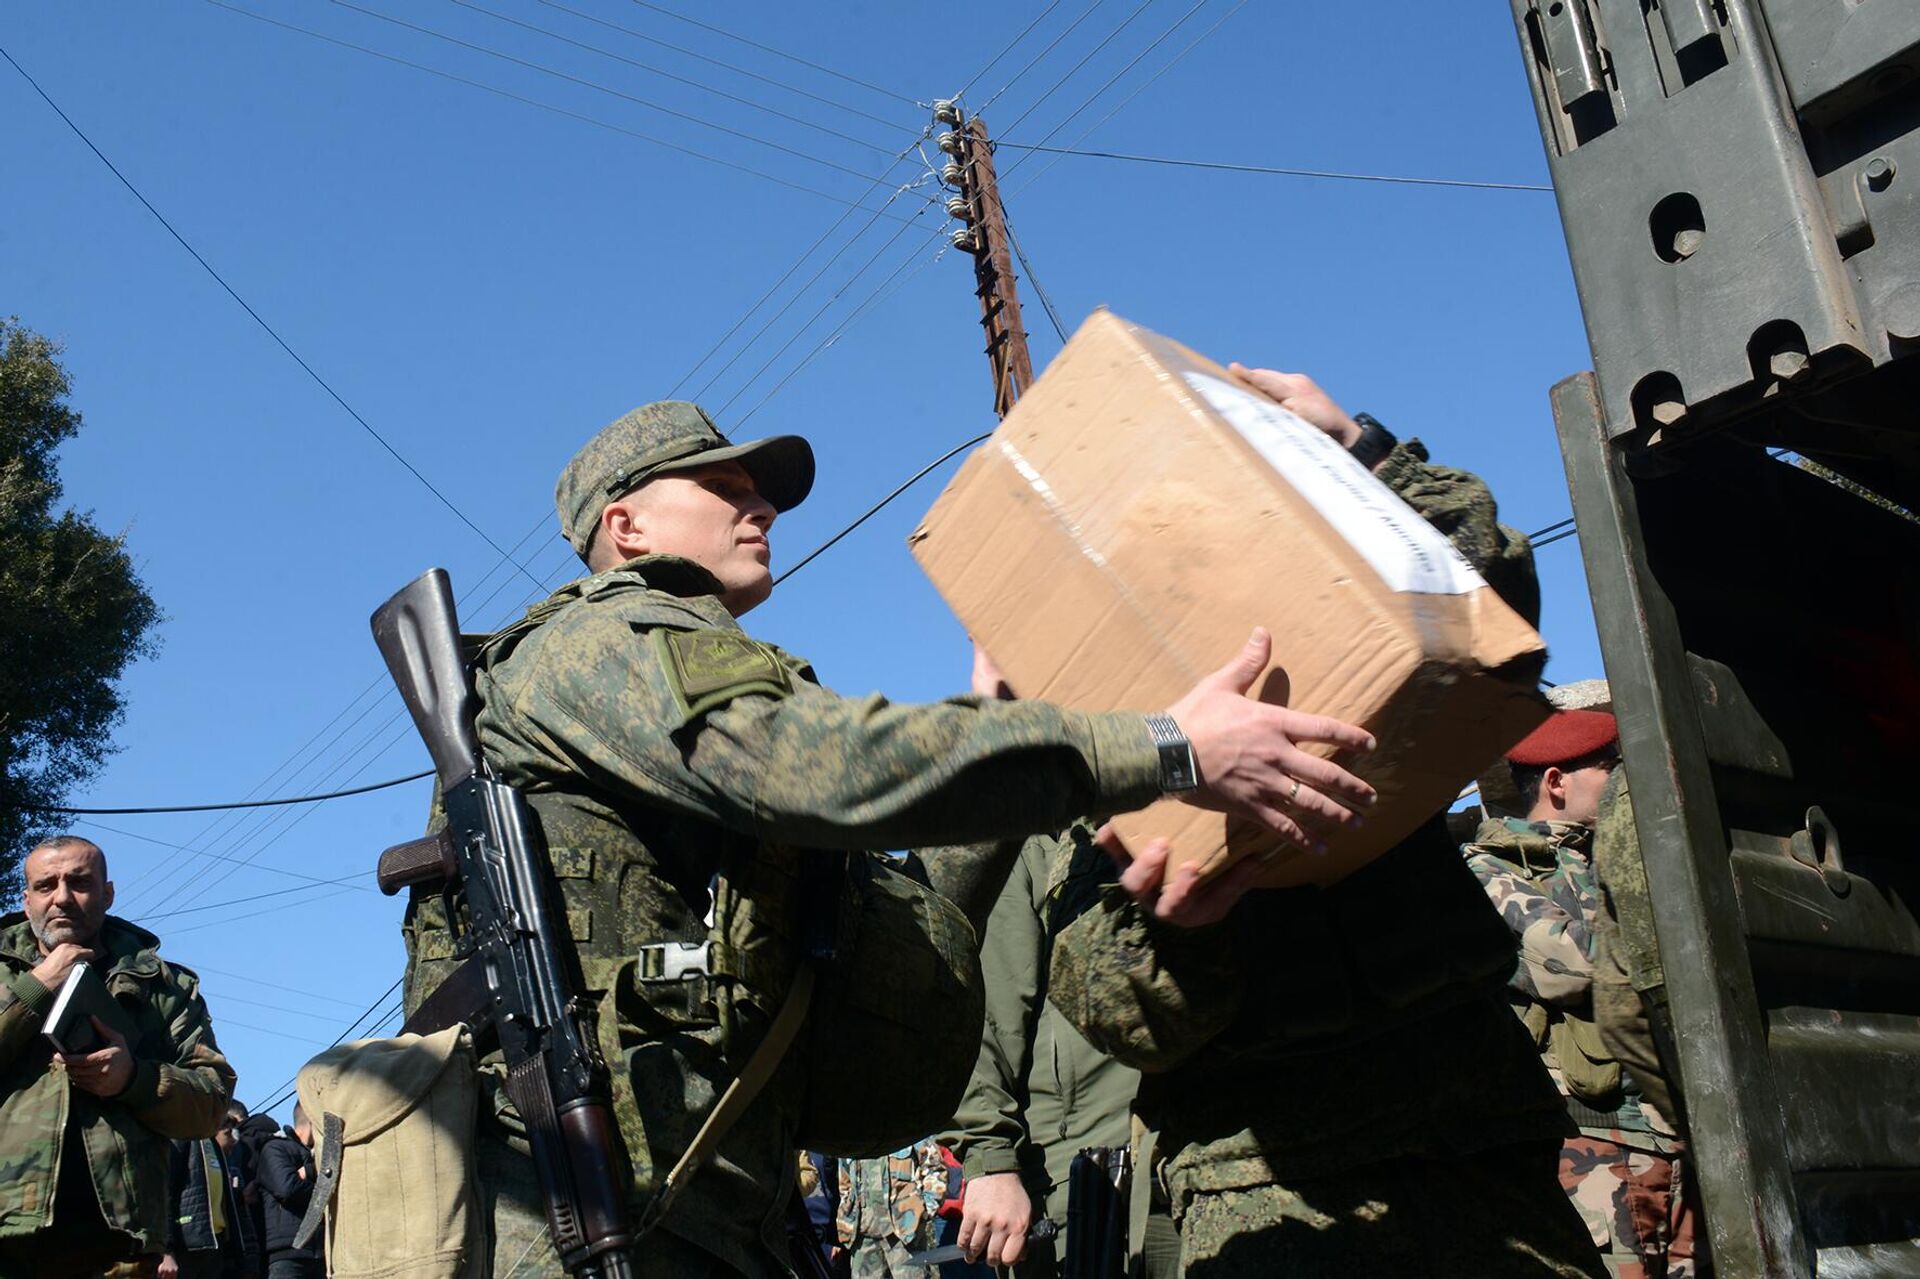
point(1408, 553)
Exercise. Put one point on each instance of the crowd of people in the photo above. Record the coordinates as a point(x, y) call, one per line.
point(1402, 1073)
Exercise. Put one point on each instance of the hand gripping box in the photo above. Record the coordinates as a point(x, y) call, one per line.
point(1137, 514)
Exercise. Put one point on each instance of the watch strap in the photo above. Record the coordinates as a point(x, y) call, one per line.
point(1375, 441)
point(1178, 771)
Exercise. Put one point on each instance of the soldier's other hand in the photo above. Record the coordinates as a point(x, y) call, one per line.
point(52, 971)
point(105, 1072)
point(1250, 761)
point(1180, 899)
point(1301, 396)
point(994, 1217)
point(168, 1268)
point(987, 680)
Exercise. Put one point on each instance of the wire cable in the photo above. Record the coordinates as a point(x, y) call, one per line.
point(1046, 302)
point(597, 87)
point(994, 61)
point(1035, 60)
point(270, 331)
point(1125, 22)
point(535, 103)
point(882, 504)
point(782, 85)
point(244, 803)
point(284, 1089)
point(779, 53)
point(243, 901)
point(1332, 174)
point(650, 68)
point(183, 848)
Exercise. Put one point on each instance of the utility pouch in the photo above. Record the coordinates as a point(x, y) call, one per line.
point(897, 1016)
point(395, 1185)
point(1591, 1073)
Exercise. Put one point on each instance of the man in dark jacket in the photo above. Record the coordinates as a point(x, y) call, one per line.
point(210, 1235)
point(286, 1187)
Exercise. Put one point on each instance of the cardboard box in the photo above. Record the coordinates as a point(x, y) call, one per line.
point(1140, 511)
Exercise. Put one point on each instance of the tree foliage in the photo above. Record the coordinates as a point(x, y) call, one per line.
point(73, 612)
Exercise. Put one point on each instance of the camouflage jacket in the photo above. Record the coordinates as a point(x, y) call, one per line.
point(1540, 878)
point(678, 769)
point(1316, 1031)
point(181, 1086)
point(895, 1197)
point(1040, 1092)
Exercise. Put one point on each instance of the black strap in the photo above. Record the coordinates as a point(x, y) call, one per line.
point(333, 1131)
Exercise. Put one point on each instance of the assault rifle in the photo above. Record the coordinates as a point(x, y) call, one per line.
point(519, 983)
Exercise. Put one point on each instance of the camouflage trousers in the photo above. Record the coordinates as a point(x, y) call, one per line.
point(870, 1258)
point(1497, 1214)
point(1632, 1202)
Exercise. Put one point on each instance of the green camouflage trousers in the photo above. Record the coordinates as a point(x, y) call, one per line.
point(871, 1258)
point(1632, 1203)
point(1494, 1215)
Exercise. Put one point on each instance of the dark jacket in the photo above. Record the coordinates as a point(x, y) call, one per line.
point(194, 1164)
point(284, 1195)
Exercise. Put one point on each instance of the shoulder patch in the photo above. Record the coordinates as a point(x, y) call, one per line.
point(708, 668)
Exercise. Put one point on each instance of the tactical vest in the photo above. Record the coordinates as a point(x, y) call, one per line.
point(690, 936)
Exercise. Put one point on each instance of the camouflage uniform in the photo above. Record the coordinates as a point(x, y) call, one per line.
point(678, 767)
point(1040, 1091)
point(54, 1135)
point(1622, 1172)
point(888, 1210)
point(1337, 1084)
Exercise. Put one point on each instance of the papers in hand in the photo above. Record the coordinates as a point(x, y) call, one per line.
point(83, 996)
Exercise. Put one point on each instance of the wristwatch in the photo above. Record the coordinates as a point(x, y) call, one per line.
point(1178, 772)
point(1375, 441)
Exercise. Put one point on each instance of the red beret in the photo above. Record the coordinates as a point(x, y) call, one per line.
point(1565, 737)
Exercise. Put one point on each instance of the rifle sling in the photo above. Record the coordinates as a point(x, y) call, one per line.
point(326, 1180)
point(738, 1096)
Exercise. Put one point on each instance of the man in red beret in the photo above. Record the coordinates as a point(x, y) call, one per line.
point(1622, 1170)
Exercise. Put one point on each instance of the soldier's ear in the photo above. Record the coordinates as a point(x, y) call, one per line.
point(109, 905)
point(1553, 783)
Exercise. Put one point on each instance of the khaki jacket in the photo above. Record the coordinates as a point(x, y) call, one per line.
point(181, 1087)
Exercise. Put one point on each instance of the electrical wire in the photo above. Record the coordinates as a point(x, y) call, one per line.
point(252, 803)
point(535, 103)
point(291, 990)
point(1008, 47)
point(779, 53)
point(1046, 302)
point(248, 900)
point(182, 848)
point(1135, 92)
point(1332, 174)
point(258, 319)
point(597, 87)
point(651, 69)
point(1125, 22)
point(781, 85)
point(882, 504)
point(1035, 60)
point(284, 1089)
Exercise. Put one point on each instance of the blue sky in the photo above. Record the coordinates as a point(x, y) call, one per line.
point(487, 281)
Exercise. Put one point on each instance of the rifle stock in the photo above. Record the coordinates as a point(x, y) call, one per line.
point(418, 633)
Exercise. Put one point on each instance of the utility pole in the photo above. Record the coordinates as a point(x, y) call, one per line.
point(983, 234)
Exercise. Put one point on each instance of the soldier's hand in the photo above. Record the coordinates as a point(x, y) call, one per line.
point(168, 1268)
point(994, 1217)
point(1251, 764)
point(987, 680)
point(1301, 396)
point(1180, 899)
point(105, 1072)
point(52, 971)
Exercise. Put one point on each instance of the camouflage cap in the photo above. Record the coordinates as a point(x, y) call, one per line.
point(671, 435)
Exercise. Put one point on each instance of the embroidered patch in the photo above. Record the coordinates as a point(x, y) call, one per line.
point(712, 667)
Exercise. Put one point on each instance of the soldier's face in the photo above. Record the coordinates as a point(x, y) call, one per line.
point(1585, 786)
point(714, 516)
point(67, 895)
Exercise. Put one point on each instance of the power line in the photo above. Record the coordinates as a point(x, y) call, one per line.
point(351, 1027)
point(1277, 171)
point(782, 85)
point(1046, 303)
point(535, 103)
point(183, 848)
point(244, 803)
point(243, 901)
point(1135, 92)
point(1035, 60)
point(649, 67)
point(778, 53)
point(1009, 46)
point(881, 505)
point(1125, 22)
point(597, 87)
point(291, 990)
point(270, 331)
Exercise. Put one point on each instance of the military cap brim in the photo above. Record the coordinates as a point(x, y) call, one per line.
point(781, 467)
